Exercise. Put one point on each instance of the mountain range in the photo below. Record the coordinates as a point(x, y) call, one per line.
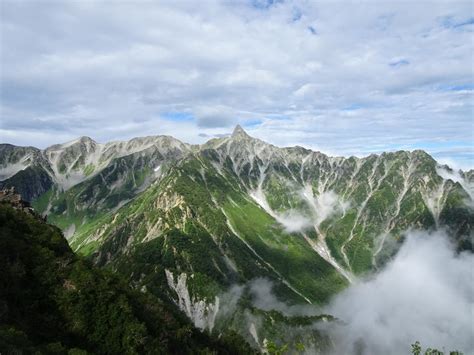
point(209, 226)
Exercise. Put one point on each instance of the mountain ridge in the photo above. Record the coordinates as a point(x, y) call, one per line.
point(238, 133)
point(191, 222)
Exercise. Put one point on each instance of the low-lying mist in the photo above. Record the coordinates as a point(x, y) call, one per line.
point(426, 293)
point(320, 207)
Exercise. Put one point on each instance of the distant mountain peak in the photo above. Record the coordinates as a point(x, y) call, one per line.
point(239, 132)
point(86, 139)
point(80, 140)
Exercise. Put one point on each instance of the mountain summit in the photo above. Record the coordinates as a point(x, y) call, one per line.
point(239, 132)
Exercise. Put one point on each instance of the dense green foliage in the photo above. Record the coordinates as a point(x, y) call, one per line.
point(52, 301)
point(417, 350)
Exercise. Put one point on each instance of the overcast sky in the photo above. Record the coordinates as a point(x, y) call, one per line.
point(341, 77)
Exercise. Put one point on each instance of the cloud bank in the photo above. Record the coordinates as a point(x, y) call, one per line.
point(426, 293)
point(293, 221)
point(327, 75)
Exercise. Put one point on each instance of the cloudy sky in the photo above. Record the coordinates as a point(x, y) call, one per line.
point(341, 77)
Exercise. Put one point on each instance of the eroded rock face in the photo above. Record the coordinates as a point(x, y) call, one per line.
point(202, 314)
point(14, 199)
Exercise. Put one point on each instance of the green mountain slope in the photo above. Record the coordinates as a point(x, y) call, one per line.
point(192, 222)
point(51, 301)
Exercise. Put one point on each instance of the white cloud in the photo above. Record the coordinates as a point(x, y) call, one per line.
point(426, 293)
point(324, 204)
point(455, 176)
point(215, 116)
point(294, 221)
point(128, 63)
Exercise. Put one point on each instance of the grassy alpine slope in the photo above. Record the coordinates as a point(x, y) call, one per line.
point(53, 301)
point(191, 222)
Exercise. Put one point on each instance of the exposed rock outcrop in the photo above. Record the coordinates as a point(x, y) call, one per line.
point(11, 197)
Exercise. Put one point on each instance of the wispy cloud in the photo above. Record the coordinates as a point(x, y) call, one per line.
point(399, 62)
point(183, 68)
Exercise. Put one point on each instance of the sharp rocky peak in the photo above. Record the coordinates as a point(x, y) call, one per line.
point(86, 139)
point(239, 132)
point(78, 141)
point(81, 140)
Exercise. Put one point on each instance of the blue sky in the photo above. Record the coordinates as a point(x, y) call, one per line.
point(346, 78)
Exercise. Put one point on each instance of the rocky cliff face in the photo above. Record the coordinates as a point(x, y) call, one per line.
point(13, 199)
point(202, 313)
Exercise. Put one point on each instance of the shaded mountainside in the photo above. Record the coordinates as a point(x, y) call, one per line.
point(52, 301)
point(66, 165)
point(192, 223)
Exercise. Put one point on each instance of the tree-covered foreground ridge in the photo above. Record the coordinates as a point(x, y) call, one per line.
point(154, 225)
point(55, 302)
